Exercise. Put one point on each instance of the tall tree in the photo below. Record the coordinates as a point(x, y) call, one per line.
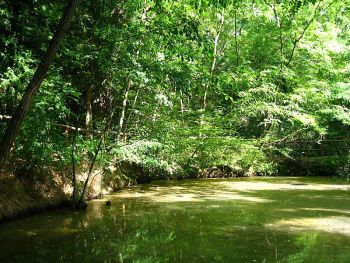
point(34, 85)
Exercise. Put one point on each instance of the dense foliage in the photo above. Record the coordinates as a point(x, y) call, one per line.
point(183, 87)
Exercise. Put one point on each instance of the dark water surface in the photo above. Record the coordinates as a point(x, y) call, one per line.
point(245, 220)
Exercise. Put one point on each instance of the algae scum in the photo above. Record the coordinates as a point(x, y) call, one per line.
point(250, 220)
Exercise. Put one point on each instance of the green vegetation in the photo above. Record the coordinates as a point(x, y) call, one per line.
point(141, 89)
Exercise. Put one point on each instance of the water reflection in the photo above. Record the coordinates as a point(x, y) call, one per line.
point(252, 220)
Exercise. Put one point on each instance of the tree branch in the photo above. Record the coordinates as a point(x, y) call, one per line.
point(297, 40)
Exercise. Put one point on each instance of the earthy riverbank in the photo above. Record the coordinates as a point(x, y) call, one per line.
point(24, 195)
point(28, 192)
point(33, 191)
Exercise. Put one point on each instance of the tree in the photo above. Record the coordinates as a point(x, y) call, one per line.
point(23, 107)
point(194, 83)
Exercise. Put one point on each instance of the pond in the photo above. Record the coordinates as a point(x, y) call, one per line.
point(239, 220)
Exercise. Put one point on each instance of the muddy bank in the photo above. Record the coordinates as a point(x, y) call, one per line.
point(36, 190)
point(28, 191)
point(25, 195)
point(33, 191)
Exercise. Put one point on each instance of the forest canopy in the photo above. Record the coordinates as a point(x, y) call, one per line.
point(181, 88)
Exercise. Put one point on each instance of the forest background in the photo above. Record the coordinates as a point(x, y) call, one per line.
point(180, 89)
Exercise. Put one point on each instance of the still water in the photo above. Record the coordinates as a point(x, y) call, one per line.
point(241, 220)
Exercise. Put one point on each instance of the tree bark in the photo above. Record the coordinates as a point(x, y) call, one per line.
point(23, 107)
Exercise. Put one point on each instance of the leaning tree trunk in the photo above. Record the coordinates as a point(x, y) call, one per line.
point(34, 85)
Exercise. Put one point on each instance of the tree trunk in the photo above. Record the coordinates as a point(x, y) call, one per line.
point(122, 114)
point(279, 24)
point(182, 106)
point(23, 107)
point(129, 79)
point(74, 177)
point(236, 40)
point(88, 106)
point(81, 201)
point(297, 40)
point(130, 114)
point(213, 66)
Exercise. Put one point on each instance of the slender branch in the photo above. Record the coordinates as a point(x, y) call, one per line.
point(280, 29)
point(297, 40)
point(97, 151)
point(73, 167)
point(213, 65)
point(236, 40)
point(190, 159)
point(286, 137)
